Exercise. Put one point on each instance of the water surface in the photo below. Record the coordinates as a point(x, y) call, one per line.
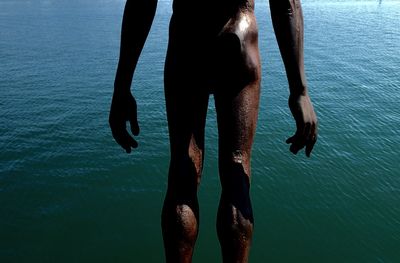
point(69, 194)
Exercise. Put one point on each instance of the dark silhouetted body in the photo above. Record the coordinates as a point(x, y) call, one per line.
point(212, 49)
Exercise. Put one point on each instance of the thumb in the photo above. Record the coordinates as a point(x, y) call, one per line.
point(291, 139)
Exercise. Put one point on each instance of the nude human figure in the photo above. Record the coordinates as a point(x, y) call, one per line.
point(212, 49)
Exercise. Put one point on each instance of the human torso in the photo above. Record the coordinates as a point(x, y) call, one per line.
point(208, 18)
point(206, 40)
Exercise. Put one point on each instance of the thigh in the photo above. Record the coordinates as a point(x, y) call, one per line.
point(186, 104)
point(237, 106)
point(186, 115)
point(237, 119)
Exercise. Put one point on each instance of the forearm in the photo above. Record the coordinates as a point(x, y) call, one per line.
point(287, 19)
point(136, 23)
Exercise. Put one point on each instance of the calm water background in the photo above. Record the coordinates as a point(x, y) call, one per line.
point(68, 193)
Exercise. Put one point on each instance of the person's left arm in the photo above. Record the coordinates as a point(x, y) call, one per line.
point(287, 19)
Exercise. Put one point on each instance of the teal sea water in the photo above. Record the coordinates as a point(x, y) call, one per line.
point(68, 193)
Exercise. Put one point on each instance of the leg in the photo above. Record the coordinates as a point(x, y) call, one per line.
point(237, 119)
point(236, 122)
point(186, 112)
point(237, 111)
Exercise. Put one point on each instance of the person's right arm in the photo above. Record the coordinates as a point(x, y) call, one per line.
point(136, 24)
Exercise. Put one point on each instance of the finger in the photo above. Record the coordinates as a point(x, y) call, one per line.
point(309, 148)
point(134, 126)
point(307, 131)
point(296, 142)
point(310, 145)
point(311, 140)
point(296, 147)
point(132, 118)
point(132, 142)
point(301, 138)
point(128, 149)
point(116, 130)
point(125, 140)
point(122, 141)
point(300, 130)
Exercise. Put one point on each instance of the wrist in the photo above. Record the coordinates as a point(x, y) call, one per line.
point(298, 87)
point(298, 93)
point(120, 89)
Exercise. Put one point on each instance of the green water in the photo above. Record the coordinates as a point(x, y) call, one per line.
point(68, 193)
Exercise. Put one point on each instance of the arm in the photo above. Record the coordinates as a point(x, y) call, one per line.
point(287, 19)
point(136, 23)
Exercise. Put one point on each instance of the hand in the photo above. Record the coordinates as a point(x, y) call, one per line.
point(306, 124)
point(123, 109)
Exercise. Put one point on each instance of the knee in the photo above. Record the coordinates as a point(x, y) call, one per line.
point(184, 176)
point(240, 163)
point(235, 181)
point(236, 162)
point(235, 174)
point(186, 157)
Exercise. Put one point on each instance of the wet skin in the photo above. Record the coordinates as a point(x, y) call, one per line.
point(211, 50)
